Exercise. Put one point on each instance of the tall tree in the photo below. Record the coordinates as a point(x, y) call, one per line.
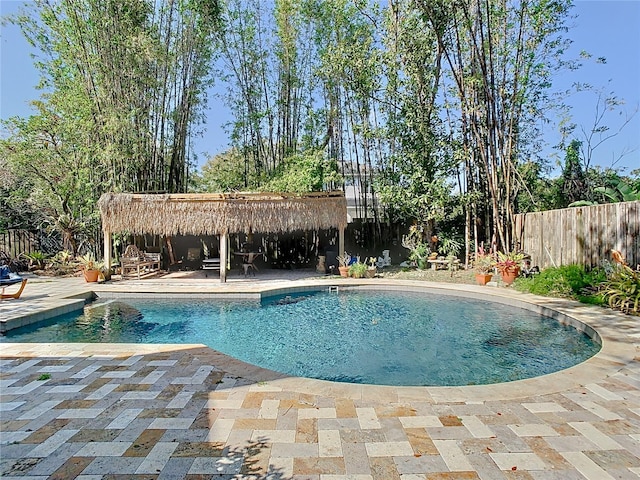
point(414, 175)
point(124, 84)
point(501, 54)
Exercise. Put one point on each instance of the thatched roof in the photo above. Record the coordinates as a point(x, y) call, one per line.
point(216, 213)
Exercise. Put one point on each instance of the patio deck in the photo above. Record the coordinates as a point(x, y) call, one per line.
point(105, 411)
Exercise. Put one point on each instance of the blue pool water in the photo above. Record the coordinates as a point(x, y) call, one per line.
point(386, 338)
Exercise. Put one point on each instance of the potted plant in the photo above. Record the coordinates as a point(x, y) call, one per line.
point(91, 268)
point(483, 267)
point(371, 267)
point(508, 265)
point(343, 264)
point(357, 269)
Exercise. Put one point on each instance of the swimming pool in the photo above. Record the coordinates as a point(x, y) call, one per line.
point(374, 337)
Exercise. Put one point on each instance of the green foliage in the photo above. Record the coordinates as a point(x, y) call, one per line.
point(612, 188)
point(621, 290)
point(37, 259)
point(574, 181)
point(541, 193)
point(420, 254)
point(303, 172)
point(15, 209)
point(123, 86)
point(63, 263)
point(449, 247)
point(496, 111)
point(227, 172)
point(483, 263)
point(568, 281)
point(419, 250)
point(52, 172)
point(357, 270)
point(409, 195)
point(620, 191)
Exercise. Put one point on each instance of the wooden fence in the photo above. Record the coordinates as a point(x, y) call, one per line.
point(580, 235)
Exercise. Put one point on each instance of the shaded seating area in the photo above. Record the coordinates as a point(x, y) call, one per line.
point(8, 278)
point(222, 215)
point(135, 261)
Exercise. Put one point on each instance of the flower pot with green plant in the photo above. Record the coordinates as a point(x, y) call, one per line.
point(508, 266)
point(483, 266)
point(91, 268)
point(357, 269)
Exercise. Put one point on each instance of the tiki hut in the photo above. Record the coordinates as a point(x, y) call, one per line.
point(220, 214)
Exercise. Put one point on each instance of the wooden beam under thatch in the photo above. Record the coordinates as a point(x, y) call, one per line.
point(221, 213)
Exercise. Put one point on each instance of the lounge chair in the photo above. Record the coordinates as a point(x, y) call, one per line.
point(6, 279)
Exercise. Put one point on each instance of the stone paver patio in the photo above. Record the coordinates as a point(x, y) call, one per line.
point(105, 411)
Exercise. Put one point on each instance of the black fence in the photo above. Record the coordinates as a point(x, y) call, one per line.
point(17, 242)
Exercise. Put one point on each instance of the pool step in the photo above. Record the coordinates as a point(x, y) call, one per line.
point(99, 303)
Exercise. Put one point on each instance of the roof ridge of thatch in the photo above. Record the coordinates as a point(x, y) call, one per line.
point(215, 213)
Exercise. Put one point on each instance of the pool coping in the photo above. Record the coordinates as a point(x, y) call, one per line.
point(616, 332)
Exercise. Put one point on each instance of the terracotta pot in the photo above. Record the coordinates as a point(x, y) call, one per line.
point(483, 278)
point(91, 275)
point(509, 277)
point(344, 271)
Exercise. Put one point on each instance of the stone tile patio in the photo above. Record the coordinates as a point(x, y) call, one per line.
point(105, 411)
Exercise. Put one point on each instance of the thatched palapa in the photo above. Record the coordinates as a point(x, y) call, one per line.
point(220, 214)
point(215, 214)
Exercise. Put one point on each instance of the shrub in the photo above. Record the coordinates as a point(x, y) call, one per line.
point(567, 281)
point(622, 290)
point(37, 259)
point(358, 270)
point(418, 249)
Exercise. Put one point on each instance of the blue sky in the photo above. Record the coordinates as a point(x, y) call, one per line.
point(609, 29)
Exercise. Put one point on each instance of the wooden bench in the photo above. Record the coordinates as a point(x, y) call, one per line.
point(137, 262)
point(444, 264)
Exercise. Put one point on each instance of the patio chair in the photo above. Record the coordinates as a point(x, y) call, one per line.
point(248, 264)
point(6, 279)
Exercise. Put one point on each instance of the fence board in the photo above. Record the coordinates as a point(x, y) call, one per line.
point(582, 235)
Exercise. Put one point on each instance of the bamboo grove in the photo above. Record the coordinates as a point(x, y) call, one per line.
point(427, 109)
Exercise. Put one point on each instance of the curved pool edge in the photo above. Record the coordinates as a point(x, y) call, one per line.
point(617, 333)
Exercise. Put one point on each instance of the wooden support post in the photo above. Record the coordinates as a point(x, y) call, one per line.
point(341, 242)
point(107, 250)
point(223, 257)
